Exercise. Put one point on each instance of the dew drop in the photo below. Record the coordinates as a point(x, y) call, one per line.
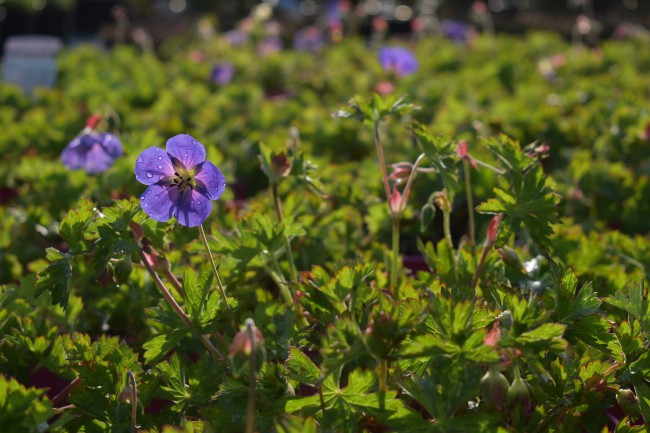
point(159, 158)
point(149, 174)
point(142, 197)
point(156, 196)
point(159, 167)
point(187, 154)
point(151, 160)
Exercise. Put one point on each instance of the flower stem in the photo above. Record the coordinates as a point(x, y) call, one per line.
point(481, 264)
point(65, 391)
point(283, 285)
point(179, 311)
point(395, 256)
point(383, 372)
point(216, 274)
point(287, 243)
point(382, 161)
point(134, 400)
point(250, 411)
point(470, 202)
point(446, 221)
point(174, 281)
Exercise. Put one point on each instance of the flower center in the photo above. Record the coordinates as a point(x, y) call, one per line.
point(183, 179)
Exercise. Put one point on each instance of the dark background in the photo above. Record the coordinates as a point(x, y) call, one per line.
point(78, 20)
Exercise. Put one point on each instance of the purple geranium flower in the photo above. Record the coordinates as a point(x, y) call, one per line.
point(93, 151)
point(181, 182)
point(457, 31)
point(399, 60)
point(309, 39)
point(222, 73)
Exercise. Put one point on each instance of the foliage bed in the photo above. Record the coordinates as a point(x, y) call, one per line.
point(552, 300)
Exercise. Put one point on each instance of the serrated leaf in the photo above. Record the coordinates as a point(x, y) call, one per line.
point(570, 306)
point(196, 289)
point(441, 154)
point(160, 345)
point(55, 278)
point(301, 368)
point(525, 197)
point(74, 225)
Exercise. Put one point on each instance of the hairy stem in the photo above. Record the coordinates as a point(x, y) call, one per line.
point(383, 372)
point(134, 401)
point(481, 264)
point(287, 243)
point(65, 391)
point(382, 161)
point(179, 311)
point(250, 411)
point(395, 255)
point(470, 202)
point(216, 274)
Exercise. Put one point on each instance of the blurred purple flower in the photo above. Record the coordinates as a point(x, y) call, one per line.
point(269, 46)
point(181, 182)
point(222, 73)
point(93, 151)
point(457, 31)
point(309, 39)
point(399, 60)
point(236, 37)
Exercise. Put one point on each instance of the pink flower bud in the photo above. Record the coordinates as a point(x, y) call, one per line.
point(463, 153)
point(93, 121)
point(493, 229)
point(395, 204)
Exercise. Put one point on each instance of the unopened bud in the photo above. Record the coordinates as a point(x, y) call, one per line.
point(441, 199)
point(126, 394)
point(93, 121)
point(506, 319)
point(494, 388)
point(629, 402)
point(493, 230)
point(280, 165)
point(519, 399)
point(511, 258)
point(243, 343)
point(395, 204)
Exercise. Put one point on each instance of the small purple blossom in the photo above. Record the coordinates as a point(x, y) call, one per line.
point(399, 60)
point(93, 151)
point(222, 73)
point(181, 182)
point(456, 31)
point(309, 39)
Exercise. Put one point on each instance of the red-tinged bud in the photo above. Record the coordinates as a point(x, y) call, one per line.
point(396, 204)
point(385, 88)
point(493, 230)
point(159, 264)
point(93, 121)
point(505, 318)
point(519, 399)
point(126, 394)
point(511, 259)
point(494, 388)
point(479, 7)
point(138, 231)
point(280, 165)
point(628, 402)
point(461, 150)
point(248, 342)
point(492, 337)
point(400, 172)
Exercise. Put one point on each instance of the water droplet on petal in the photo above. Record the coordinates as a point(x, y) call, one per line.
point(156, 196)
point(187, 154)
point(149, 174)
point(159, 167)
point(142, 197)
point(159, 158)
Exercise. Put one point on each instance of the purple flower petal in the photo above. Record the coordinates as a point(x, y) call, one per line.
point(158, 202)
point(212, 181)
point(192, 208)
point(186, 149)
point(153, 165)
point(97, 160)
point(74, 155)
point(399, 60)
point(111, 144)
